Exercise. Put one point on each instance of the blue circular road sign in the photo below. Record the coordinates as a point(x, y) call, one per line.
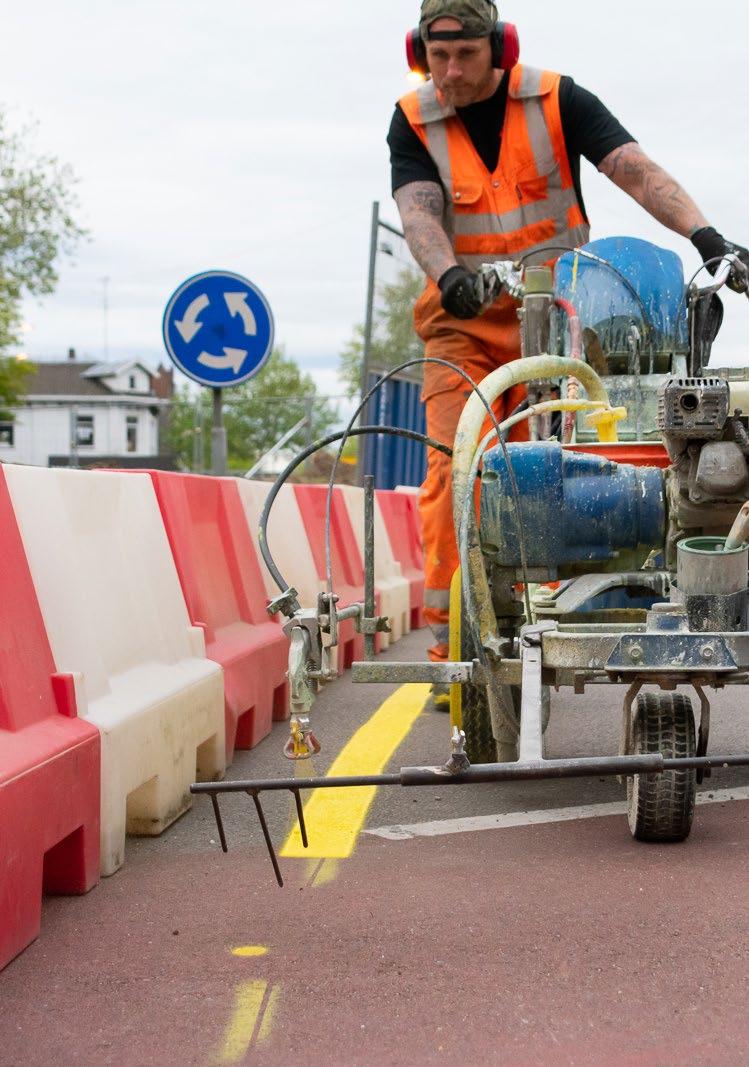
point(218, 328)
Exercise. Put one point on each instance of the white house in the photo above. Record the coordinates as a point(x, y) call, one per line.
point(79, 413)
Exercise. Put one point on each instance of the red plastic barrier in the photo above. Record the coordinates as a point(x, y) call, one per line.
point(49, 760)
point(225, 594)
point(638, 453)
point(401, 514)
point(348, 567)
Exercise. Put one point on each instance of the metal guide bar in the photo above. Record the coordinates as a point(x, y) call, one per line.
point(585, 767)
point(441, 673)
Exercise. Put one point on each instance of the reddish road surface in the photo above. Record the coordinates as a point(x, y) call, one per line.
point(558, 942)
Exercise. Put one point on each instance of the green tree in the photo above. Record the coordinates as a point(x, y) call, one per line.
point(14, 375)
point(256, 415)
point(37, 228)
point(188, 429)
point(394, 339)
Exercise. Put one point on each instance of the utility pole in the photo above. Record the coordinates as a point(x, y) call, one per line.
point(369, 316)
point(374, 237)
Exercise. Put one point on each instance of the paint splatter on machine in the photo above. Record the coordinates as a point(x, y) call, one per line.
point(670, 545)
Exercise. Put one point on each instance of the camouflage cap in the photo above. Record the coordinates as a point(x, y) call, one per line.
point(479, 17)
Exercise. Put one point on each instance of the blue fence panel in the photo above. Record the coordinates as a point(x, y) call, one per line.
point(393, 460)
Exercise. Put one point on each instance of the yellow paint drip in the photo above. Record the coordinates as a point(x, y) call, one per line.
point(335, 817)
point(248, 951)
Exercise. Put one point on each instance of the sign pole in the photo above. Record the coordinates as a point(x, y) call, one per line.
point(218, 435)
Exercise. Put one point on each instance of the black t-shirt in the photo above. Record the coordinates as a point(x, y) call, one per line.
point(590, 130)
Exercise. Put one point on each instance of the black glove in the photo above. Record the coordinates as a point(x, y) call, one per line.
point(710, 244)
point(461, 293)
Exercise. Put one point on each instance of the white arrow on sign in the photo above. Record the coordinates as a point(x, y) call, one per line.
point(233, 358)
point(189, 325)
point(237, 305)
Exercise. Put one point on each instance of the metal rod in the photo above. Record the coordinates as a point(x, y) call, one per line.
point(531, 724)
point(368, 326)
point(300, 817)
point(306, 421)
point(444, 673)
point(391, 229)
point(353, 611)
point(266, 835)
point(587, 767)
point(369, 563)
point(535, 770)
point(705, 763)
point(219, 822)
point(290, 784)
point(218, 434)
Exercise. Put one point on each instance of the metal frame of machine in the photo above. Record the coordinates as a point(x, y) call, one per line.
point(696, 635)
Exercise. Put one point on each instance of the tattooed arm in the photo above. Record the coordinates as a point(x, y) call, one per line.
point(421, 206)
point(655, 190)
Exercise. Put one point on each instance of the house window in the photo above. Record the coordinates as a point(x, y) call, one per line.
point(84, 431)
point(132, 381)
point(6, 434)
point(132, 433)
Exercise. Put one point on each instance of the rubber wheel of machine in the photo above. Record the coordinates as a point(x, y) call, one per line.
point(661, 807)
point(469, 705)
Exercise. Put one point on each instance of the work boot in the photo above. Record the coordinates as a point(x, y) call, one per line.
point(439, 698)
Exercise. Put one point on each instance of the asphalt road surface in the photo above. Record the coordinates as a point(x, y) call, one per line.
point(507, 923)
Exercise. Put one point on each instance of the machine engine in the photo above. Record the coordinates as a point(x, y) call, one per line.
point(708, 446)
point(584, 513)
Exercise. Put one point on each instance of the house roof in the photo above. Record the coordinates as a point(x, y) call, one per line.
point(65, 379)
point(112, 370)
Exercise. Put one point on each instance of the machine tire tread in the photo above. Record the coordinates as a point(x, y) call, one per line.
point(661, 807)
point(477, 722)
point(477, 725)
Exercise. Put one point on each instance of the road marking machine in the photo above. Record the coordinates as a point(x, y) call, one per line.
point(576, 570)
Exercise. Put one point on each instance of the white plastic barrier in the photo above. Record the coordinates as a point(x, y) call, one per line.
point(116, 618)
point(287, 539)
point(288, 543)
point(393, 588)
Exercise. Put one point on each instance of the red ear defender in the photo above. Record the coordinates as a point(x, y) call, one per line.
point(416, 53)
point(505, 43)
point(506, 46)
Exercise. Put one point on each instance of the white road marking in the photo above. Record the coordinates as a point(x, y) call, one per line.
point(476, 823)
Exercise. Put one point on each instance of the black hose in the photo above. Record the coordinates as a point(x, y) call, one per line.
point(393, 431)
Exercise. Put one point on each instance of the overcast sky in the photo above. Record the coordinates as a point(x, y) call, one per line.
point(251, 136)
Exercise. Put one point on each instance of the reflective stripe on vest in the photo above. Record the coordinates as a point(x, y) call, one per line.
point(528, 205)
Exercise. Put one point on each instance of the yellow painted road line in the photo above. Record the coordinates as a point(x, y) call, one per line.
point(266, 1023)
point(335, 817)
point(248, 1004)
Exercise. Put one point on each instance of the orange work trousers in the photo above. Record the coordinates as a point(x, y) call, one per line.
point(478, 347)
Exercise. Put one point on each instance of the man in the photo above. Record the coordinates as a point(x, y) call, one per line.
point(486, 166)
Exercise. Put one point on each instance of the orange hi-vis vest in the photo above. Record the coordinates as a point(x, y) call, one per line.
point(528, 206)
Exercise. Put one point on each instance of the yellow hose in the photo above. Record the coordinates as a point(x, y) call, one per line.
point(519, 372)
point(456, 652)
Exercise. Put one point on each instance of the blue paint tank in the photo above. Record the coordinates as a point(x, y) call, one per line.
point(577, 509)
